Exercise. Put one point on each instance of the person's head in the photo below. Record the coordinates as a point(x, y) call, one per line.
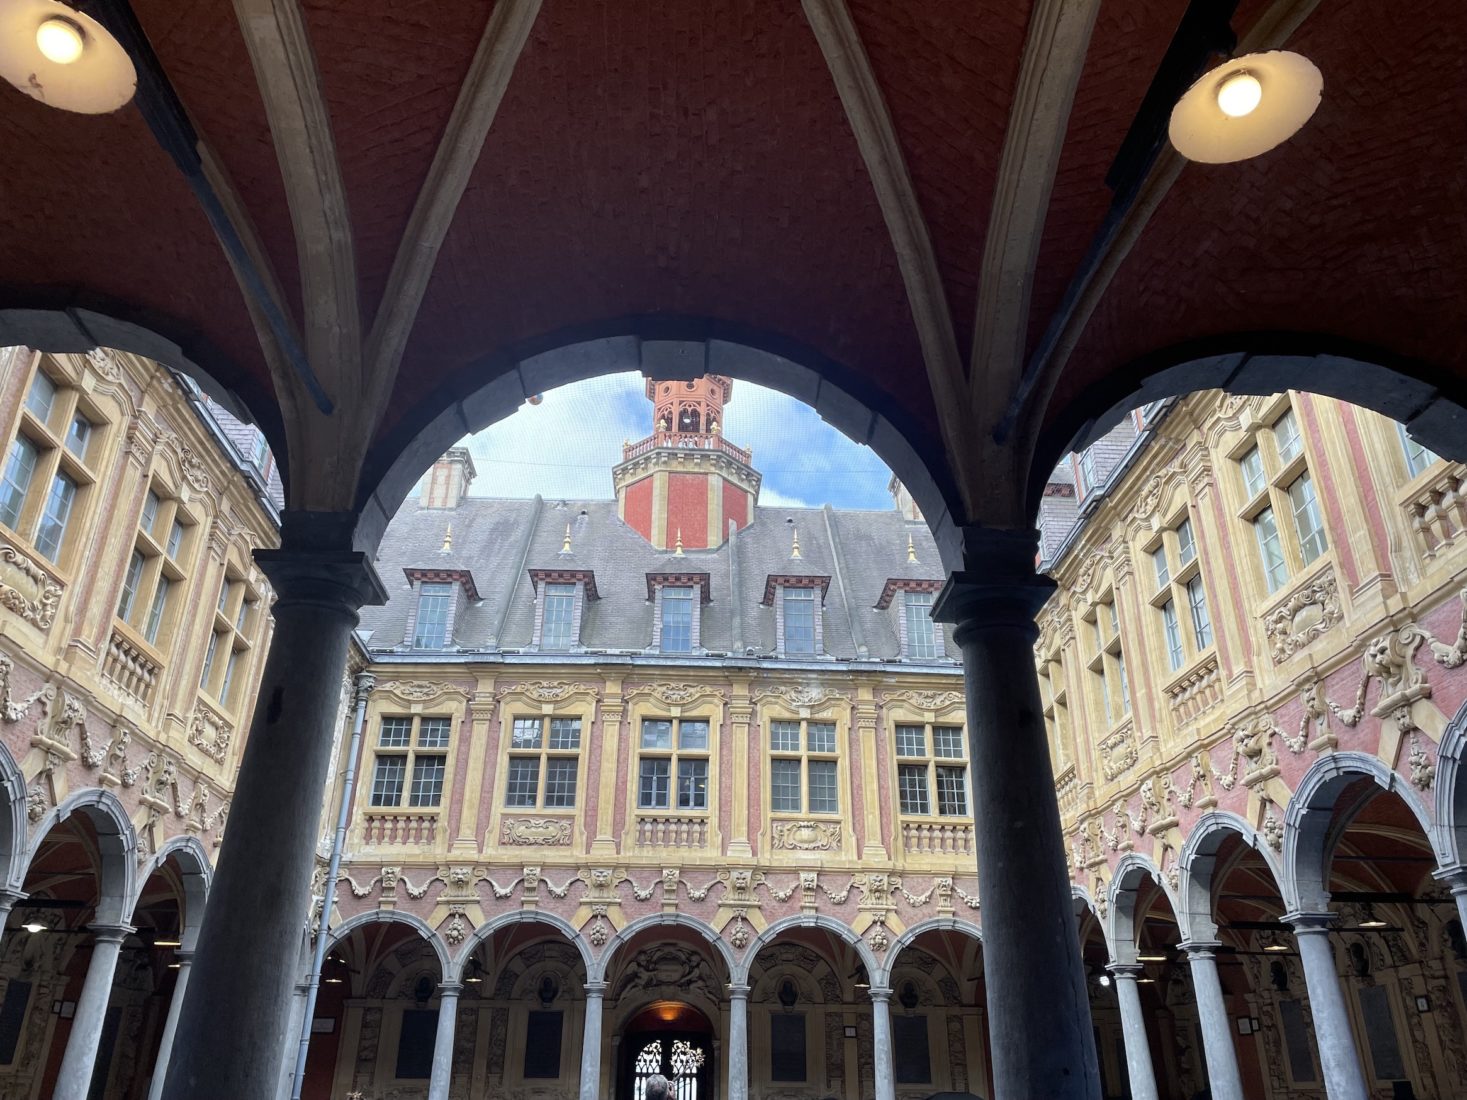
point(656, 1088)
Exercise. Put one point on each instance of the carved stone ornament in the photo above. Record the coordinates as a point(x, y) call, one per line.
point(807, 836)
point(193, 468)
point(675, 695)
point(1118, 753)
point(26, 589)
point(1423, 771)
point(1307, 614)
point(802, 697)
point(927, 700)
point(419, 691)
point(211, 733)
point(105, 364)
point(550, 691)
point(538, 831)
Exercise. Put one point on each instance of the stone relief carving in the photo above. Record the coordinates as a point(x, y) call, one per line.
point(1307, 614)
point(542, 831)
point(420, 691)
point(807, 836)
point(26, 589)
point(1423, 771)
point(105, 364)
point(670, 966)
point(12, 709)
point(802, 697)
point(1118, 753)
point(927, 700)
point(211, 733)
point(675, 695)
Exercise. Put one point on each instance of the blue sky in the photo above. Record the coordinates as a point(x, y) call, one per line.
point(566, 446)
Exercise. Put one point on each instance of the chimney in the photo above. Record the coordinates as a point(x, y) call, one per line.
point(449, 480)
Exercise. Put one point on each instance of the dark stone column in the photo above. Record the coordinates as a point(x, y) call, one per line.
point(236, 1011)
point(1038, 1009)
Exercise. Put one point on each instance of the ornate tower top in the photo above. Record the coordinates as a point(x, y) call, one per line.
point(691, 408)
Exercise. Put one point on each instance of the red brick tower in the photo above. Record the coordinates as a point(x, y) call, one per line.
point(685, 478)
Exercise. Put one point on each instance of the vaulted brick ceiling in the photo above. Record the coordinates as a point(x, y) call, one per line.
point(696, 161)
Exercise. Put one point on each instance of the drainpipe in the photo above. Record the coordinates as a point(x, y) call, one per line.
point(365, 683)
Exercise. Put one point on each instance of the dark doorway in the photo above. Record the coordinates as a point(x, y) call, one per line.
point(673, 1039)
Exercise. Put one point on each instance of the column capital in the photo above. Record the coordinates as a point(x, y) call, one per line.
point(1309, 923)
point(338, 580)
point(1131, 971)
point(182, 957)
point(879, 994)
point(110, 933)
point(998, 586)
point(10, 898)
point(450, 989)
point(1454, 878)
point(738, 992)
point(595, 989)
point(1200, 949)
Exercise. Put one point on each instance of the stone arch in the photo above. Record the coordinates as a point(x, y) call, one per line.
point(13, 839)
point(117, 844)
point(343, 931)
point(505, 920)
point(1450, 839)
point(1124, 894)
point(740, 975)
point(931, 924)
point(1311, 829)
point(630, 932)
point(1423, 396)
point(197, 875)
point(1198, 866)
point(398, 460)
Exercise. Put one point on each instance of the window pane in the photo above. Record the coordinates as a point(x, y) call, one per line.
point(911, 741)
point(692, 784)
point(524, 781)
point(79, 435)
point(41, 398)
point(799, 621)
point(1115, 623)
point(58, 512)
point(921, 630)
point(560, 782)
point(654, 784)
point(1201, 621)
point(1253, 480)
point(677, 620)
point(526, 733)
point(1418, 457)
point(1306, 518)
point(692, 734)
point(784, 736)
point(560, 602)
point(565, 733)
point(209, 655)
point(912, 786)
point(433, 733)
point(820, 737)
point(130, 585)
point(1286, 432)
point(434, 602)
point(230, 667)
point(1173, 634)
point(175, 540)
point(784, 786)
point(151, 504)
point(396, 733)
point(1125, 683)
point(1186, 544)
point(1163, 569)
point(155, 613)
point(20, 466)
point(656, 733)
point(242, 619)
point(387, 781)
point(224, 590)
point(1275, 570)
point(427, 781)
point(952, 791)
point(947, 742)
point(824, 798)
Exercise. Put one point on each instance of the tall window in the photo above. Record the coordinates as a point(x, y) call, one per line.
point(153, 581)
point(1108, 661)
point(677, 619)
point(1280, 502)
point(799, 621)
point(544, 762)
point(558, 625)
point(922, 636)
point(1180, 597)
point(932, 760)
point(1054, 698)
point(411, 760)
point(802, 768)
point(435, 608)
point(1418, 458)
point(236, 620)
point(47, 470)
point(672, 770)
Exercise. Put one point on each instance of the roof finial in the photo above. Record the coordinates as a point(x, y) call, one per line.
point(448, 538)
point(911, 548)
point(795, 542)
point(565, 547)
point(678, 549)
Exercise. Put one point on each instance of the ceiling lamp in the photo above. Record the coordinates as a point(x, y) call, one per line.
point(33, 927)
point(63, 58)
point(1368, 919)
point(1245, 107)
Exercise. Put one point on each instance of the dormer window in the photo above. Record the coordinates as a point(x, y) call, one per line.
point(918, 637)
point(799, 621)
point(430, 623)
point(560, 596)
point(799, 627)
point(677, 600)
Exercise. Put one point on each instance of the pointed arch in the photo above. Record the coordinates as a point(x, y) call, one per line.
point(843, 932)
point(1311, 830)
point(117, 844)
point(523, 916)
point(1198, 864)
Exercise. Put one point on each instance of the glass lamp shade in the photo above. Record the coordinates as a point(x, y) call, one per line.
point(1245, 107)
point(63, 57)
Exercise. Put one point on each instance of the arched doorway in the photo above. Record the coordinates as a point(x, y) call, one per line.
point(671, 1038)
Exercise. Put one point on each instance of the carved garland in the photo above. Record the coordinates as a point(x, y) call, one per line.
point(1306, 615)
point(39, 608)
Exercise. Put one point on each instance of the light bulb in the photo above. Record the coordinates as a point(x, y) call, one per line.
point(34, 926)
point(60, 40)
point(1239, 94)
point(1104, 980)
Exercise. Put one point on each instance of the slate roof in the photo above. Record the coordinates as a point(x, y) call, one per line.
point(499, 541)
